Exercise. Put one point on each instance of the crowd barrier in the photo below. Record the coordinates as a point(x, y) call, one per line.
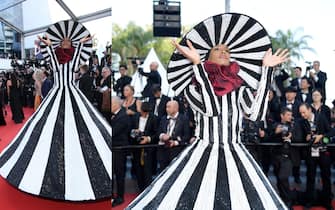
point(135, 147)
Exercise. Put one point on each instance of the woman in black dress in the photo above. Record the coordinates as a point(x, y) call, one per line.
point(14, 93)
point(2, 89)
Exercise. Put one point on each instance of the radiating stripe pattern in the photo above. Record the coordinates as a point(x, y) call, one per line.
point(64, 150)
point(216, 171)
point(246, 39)
point(68, 29)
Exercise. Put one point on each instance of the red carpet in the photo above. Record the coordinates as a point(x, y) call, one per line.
point(128, 198)
point(14, 199)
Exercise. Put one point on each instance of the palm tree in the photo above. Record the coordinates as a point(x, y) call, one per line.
point(294, 42)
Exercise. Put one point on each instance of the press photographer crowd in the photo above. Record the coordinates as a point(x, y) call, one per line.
point(296, 132)
point(30, 81)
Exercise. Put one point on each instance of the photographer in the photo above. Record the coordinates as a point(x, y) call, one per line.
point(282, 133)
point(253, 133)
point(122, 81)
point(120, 123)
point(317, 131)
point(173, 131)
point(144, 132)
point(153, 77)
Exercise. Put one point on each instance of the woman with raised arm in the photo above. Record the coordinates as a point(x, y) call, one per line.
point(64, 150)
point(223, 66)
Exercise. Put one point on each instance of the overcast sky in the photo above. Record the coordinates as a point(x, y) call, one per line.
point(315, 17)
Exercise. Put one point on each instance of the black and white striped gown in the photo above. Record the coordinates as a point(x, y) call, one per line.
point(64, 150)
point(216, 171)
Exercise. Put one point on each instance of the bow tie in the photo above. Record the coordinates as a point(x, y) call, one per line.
point(171, 118)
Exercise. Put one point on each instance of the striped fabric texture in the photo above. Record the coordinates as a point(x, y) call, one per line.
point(68, 29)
point(216, 171)
point(64, 150)
point(246, 39)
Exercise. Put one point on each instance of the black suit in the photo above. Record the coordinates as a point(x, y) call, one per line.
point(296, 83)
point(324, 161)
point(282, 160)
point(161, 109)
point(324, 110)
point(308, 98)
point(143, 157)
point(181, 133)
point(295, 108)
point(321, 83)
point(120, 83)
point(86, 86)
point(279, 80)
point(153, 78)
point(120, 130)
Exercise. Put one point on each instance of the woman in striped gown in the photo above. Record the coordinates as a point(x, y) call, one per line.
point(218, 66)
point(64, 150)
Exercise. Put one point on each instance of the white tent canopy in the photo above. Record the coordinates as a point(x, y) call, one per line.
point(32, 17)
point(139, 81)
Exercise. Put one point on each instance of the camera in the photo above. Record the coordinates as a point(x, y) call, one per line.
point(137, 135)
point(322, 144)
point(134, 59)
point(286, 142)
point(285, 131)
point(312, 133)
point(250, 132)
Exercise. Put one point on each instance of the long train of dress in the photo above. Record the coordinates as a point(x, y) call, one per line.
point(64, 150)
point(216, 171)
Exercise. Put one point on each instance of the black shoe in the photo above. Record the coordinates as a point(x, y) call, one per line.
point(297, 180)
point(117, 201)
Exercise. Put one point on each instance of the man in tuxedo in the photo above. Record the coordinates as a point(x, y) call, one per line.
point(296, 81)
point(144, 131)
point(291, 102)
point(304, 93)
point(86, 82)
point(280, 76)
point(46, 84)
point(122, 81)
point(316, 130)
point(158, 102)
point(173, 131)
point(153, 77)
point(319, 79)
point(281, 132)
point(120, 123)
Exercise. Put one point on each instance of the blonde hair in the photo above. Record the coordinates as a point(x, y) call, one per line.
point(38, 75)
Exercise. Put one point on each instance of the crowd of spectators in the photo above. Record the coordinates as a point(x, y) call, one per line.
point(297, 113)
point(29, 82)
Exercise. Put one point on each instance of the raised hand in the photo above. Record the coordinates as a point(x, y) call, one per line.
point(190, 52)
point(279, 57)
point(45, 40)
point(86, 38)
